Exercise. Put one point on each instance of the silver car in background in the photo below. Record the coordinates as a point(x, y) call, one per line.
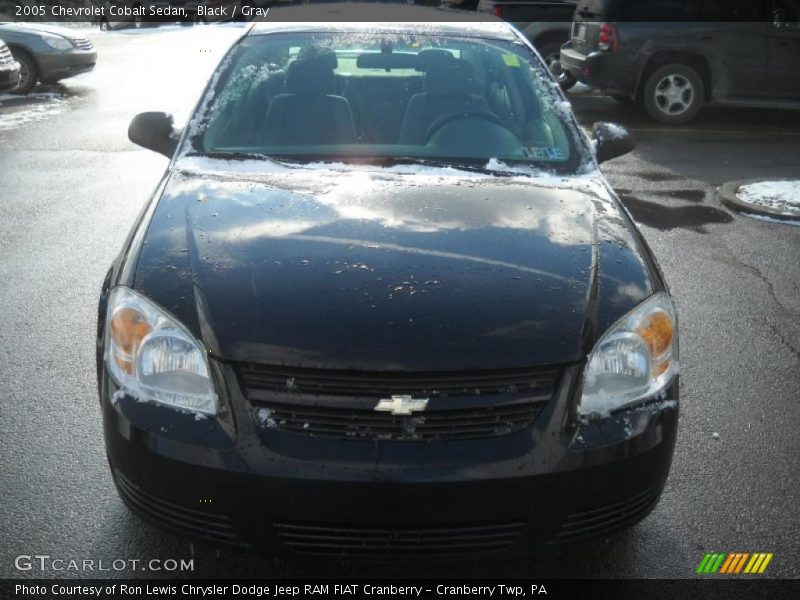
point(46, 53)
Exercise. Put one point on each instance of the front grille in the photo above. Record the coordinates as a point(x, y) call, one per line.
point(340, 404)
point(332, 382)
point(82, 43)
point(5, 55)
point(349, 540)
point(198, 523)
point(431, 425)
point(607, 519)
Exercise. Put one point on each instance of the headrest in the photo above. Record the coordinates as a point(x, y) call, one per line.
point(326, 54)
point(450, 78)
point(432, 56)
point(310, 76)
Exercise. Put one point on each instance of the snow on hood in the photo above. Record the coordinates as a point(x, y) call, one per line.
point(588, 180)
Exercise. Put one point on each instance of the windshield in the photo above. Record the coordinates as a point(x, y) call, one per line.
point(455, 100)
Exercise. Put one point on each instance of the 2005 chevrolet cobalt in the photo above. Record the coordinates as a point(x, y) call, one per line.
point(383, 303)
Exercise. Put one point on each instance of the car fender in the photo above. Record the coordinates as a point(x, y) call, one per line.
point(17, 47)
point(687, 48)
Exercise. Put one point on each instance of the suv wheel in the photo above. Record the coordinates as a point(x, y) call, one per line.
point(674, 94)
point(28, 72)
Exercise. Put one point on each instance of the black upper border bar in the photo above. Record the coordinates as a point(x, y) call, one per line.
point(422, 11)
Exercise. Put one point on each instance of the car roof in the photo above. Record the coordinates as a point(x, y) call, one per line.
point(383, 18)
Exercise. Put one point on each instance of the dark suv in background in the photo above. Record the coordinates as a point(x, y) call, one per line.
point(545, 23)
point(676, 55)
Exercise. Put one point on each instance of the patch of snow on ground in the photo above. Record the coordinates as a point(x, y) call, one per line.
point(781, 196)
point(47, 105)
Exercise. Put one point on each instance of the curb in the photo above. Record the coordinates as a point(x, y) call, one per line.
point(727, 196)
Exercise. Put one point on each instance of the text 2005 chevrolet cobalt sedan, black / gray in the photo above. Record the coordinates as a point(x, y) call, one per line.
point(383, 302)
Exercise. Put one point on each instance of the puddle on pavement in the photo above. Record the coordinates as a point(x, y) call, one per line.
point(657, 176)
point(666, 218)
point(688, 195)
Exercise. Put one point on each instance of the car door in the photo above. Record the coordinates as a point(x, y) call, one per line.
point(783, 57)
point(736, 35)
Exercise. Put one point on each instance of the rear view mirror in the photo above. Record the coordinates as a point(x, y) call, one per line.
point(387, 60)
point(154, 131)
point(612, 140)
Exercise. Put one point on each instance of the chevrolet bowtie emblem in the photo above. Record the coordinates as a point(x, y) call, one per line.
point(401, 405)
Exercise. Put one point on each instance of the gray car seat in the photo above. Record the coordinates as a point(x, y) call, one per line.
point(309, 112)
point(449, 88)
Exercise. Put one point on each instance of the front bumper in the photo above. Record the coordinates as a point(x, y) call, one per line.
point(9, 77)
point(229, 482)
point(54, 66)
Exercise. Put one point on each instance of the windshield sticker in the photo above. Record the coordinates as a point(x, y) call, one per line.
point(511, 60)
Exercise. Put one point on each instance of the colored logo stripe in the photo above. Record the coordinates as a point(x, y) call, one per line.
point(711, 563)
point(734, 563)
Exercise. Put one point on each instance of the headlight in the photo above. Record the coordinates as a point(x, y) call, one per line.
point(636, 358)
point(57, 42)
point(154, 357)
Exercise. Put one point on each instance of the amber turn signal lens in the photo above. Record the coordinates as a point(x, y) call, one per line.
point(128, 328)
point(657, 331)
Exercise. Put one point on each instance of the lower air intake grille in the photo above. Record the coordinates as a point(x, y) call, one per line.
point(189, 521)
point(607, 519)
point(374, 542)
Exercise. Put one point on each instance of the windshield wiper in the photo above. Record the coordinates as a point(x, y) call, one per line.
point(231, 155)
point(432, 162)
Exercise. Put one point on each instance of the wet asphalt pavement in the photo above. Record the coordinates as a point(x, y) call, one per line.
point(72, 186)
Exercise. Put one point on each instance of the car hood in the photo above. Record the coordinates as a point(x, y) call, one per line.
point(378, 269)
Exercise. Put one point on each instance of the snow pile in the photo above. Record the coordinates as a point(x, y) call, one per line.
point(780, 196)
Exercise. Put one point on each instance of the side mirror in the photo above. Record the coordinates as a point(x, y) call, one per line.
point(611, 140)
point(154, 131)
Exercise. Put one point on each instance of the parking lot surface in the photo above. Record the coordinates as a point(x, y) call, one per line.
point(73, 184)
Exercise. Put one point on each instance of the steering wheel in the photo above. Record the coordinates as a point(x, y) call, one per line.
point(446, 118)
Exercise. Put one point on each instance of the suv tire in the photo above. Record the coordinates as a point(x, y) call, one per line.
point(674, 94)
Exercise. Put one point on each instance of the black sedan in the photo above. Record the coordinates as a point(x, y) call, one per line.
point(383, 302)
